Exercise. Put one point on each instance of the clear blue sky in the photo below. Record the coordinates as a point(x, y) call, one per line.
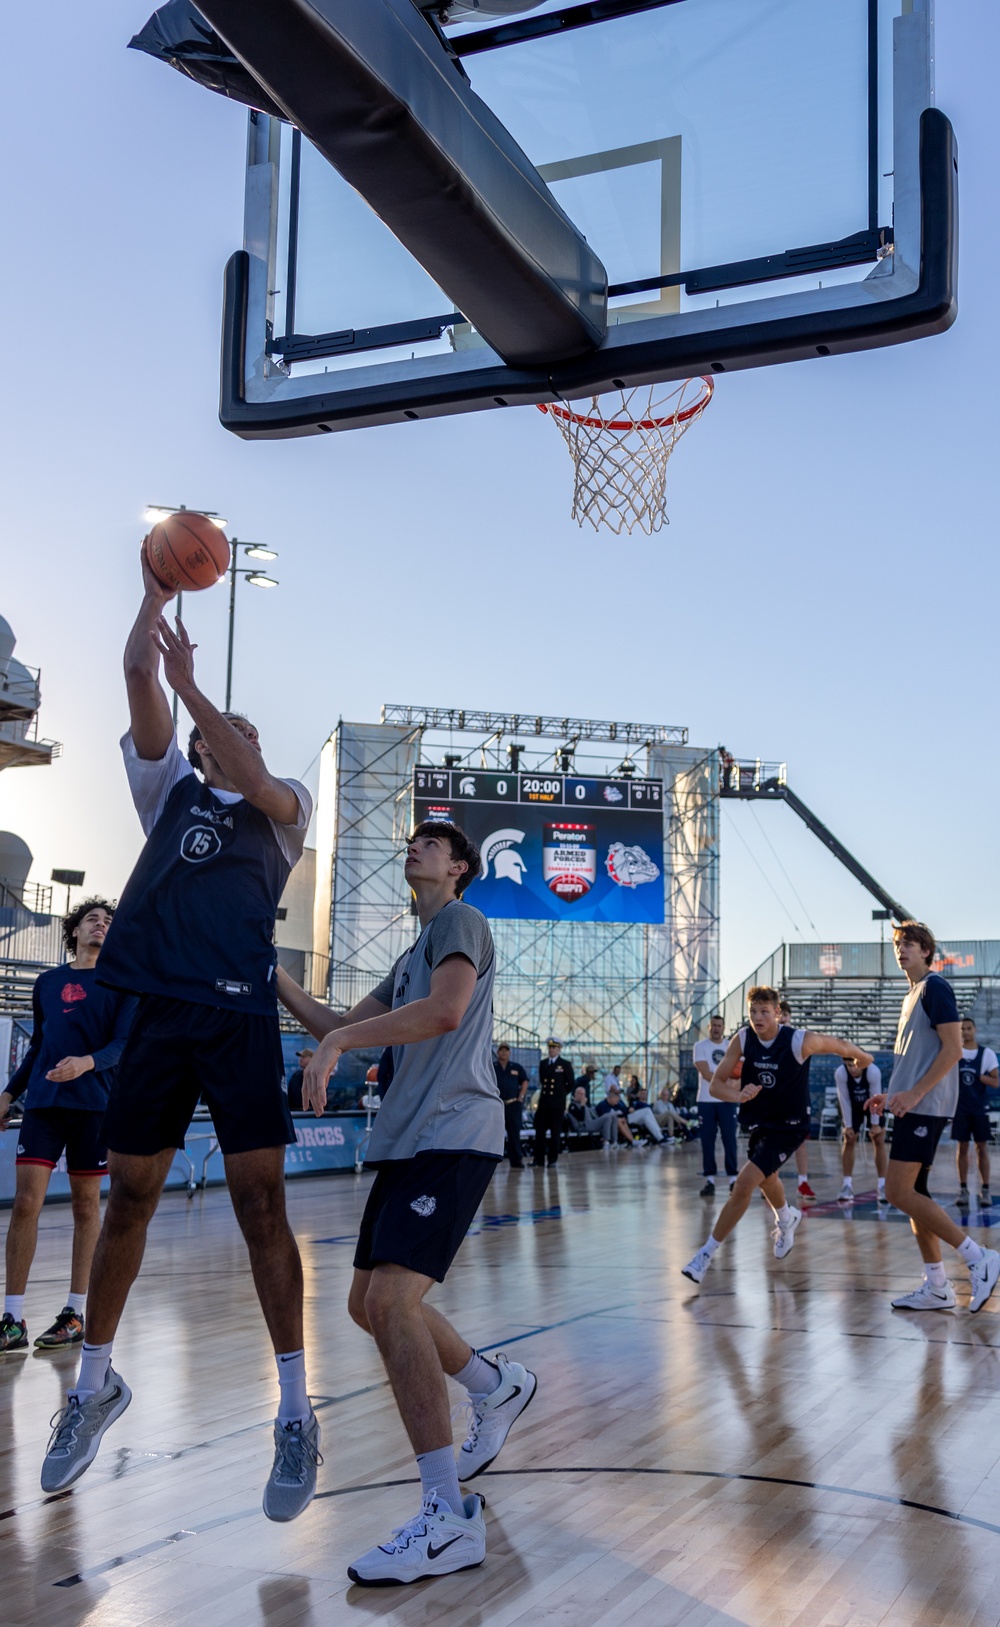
point(824, 594)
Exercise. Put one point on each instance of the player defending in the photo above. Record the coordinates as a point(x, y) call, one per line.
point(193, 938)
point(922, 1097)
point(977, 1073)
point(854, 1085)
point(773, 1093)
point(78, 1034)
point(436, 1142)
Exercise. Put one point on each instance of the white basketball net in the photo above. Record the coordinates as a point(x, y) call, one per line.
point(620, 444)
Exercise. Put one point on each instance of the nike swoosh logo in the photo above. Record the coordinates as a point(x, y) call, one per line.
point(515, 1392)
point(433, 1552)
point(286, 1358)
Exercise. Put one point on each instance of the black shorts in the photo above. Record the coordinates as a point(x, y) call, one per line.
point(859, 1116)
point(45, 1133)
point(420, 1209)
point(971, 1124)
point(915, 1138)
point(177, 1051)
point(771, 1145)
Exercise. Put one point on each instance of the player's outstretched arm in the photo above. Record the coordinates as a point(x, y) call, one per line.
point(149, 711)
point(831, 1045)
point(722, 1086)
point(240, 762)
point(316, 1018)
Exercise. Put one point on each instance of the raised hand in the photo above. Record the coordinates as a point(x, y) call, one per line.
point(177, 651)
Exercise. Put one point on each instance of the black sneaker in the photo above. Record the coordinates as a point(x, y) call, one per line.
point(963, 1197)
point(67, 1329)
point(708, 1190)
point(13, 1335)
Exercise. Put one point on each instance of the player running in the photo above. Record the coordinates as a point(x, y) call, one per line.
point(193, 937)
point(854, 1085)
point(78, 1034)
point(922, 1097)
point(773, 1093)
point(438, 1138)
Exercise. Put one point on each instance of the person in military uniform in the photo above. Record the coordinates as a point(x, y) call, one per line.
point(512, 1083)
point(555, 1082)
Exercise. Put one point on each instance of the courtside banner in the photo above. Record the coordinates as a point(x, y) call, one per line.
point(555, 847)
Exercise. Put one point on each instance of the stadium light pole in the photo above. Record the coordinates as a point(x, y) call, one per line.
point(162, 511)
point(256, 579)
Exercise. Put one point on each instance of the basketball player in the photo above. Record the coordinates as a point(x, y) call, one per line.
point(436, 1142)
point(854, 1086)
point(193, 937)
point(801, 1153)
point(78, 1034)
point(714, 1118)
point(922, 1097)
point(977, 1073)
point(773, 1092)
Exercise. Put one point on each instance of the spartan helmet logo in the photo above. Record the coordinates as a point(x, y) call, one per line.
point(500, 850)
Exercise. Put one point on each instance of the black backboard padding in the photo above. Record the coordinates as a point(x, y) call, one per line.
point(374, 88)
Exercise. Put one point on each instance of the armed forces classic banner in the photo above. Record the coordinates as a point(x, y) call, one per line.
point(555, 847)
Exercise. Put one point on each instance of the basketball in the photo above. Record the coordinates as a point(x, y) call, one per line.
point(187, 551)
point(737, 1072)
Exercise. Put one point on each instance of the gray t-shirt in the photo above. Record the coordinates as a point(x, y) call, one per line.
point(928, 1004)
point(443, 1096)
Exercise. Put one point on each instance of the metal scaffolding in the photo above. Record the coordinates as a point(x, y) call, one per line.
point(611, 992)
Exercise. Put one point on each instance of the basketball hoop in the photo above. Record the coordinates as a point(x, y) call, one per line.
point(620, 456)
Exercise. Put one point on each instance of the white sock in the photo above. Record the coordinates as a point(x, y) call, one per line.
point(13, 1305)
point(783, 1215)
point(93, 1369)
point(970, 1251)
point(881, 1183)
point(709, 1180)
point(935, 1275)
point(848, 1183)
point(293, 1403)
point(479, 1376)
point(439, 1474)
point(76, 1302)
point(710, 1247)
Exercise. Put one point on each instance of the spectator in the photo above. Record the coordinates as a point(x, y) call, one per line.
point(586, 1081)
point(632, 1094)
point(667, 1116)
point(642, 1117)
point(555, 1081)
point(614, 1105)
point(613, 1078)
point(589, 1121)
point(715, 1118)
point(295, 1080)
point(512, 1083)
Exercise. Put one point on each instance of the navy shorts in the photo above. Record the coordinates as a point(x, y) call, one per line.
point(45, 1133)
point(420, 1209)
point(771, 1145)
point(915, 1138)
point(178, 1051)
point(971, 1124)
point(859, 1117)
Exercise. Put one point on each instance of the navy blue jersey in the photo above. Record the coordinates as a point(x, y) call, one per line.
point(73, 1016)
point(196, 919)
point(783, 1079)
point(971, 1089)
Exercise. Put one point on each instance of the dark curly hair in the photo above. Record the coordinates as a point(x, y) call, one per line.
point(73, 919)
point(461, 848)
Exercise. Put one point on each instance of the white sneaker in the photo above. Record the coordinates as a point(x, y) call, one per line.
point(927, 1298)
point(984, 1275)
point(846, 1194)
point(784, 1234)
point(696, 1268)
point(494, 1416)
point(435, 1543)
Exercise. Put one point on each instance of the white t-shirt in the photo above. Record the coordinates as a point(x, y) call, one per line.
point(710, 1051)
point(151, 783)
point(989, 1061)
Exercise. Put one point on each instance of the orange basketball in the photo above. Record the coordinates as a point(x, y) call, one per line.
point(737, 1072)
point(187, 551)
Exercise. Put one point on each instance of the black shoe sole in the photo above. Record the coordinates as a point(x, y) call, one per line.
point(397, 1581)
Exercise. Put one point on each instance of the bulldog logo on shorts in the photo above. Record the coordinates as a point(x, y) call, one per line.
point(921, 1130)
point(424, 1206)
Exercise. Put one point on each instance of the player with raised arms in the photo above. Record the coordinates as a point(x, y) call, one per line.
point(773, 1093)
point(193, 938)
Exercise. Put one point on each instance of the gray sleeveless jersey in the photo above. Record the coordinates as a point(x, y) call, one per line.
point(443, 1096)
point(928, 1004)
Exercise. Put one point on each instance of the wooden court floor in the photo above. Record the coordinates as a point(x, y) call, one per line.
point(778, 1449)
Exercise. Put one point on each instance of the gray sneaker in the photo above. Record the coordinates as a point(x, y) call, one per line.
point(291, 1484)
point(77, 1432)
